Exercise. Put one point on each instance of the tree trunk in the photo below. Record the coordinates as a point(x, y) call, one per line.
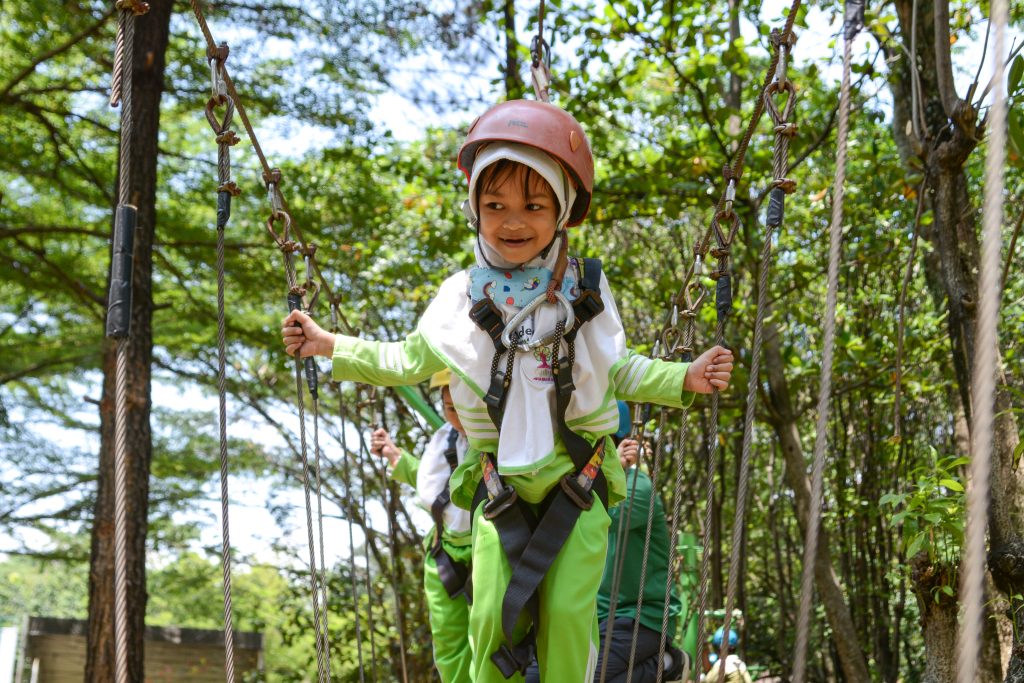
point(951, 135)
point(147, 62)
point(844, 633)
point(938, 619)
point(514, 86)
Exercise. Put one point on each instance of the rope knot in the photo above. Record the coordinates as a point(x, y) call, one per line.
point(134, 6)
point(230, 187)
point(787, 185)
point(228, 138)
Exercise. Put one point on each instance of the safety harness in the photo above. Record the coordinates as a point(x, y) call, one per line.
point(532, 540)
point(454, 575)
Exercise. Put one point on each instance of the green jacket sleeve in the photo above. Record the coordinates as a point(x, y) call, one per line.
point(406, 469)
point(639, 379)
point(384, 364)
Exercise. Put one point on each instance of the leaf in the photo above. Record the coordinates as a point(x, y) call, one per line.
point(952, 485)
point(1017, 132)
point(916, 544)
point(1016, 71)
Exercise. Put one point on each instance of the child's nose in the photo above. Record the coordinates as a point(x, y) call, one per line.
point(514, 220)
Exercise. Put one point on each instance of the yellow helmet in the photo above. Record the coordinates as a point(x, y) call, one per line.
point(441, 379)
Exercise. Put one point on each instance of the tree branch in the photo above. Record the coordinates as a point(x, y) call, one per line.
point(50, 54)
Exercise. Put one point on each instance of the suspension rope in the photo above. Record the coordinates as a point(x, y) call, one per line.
point(659, 451)
point(734, 170)
point(364, 454)
point(986, 359)
point(540, 60)
point(347, 479)
point(118, 325)
point(390, 502)
point(226, 189)
point(854, 22)
point(785, 131)
point(622, 541)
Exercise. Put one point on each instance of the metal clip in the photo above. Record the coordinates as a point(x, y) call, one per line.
point(523, 314)
point(730, 194)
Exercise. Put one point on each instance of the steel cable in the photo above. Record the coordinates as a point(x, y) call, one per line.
point(825, 388)
point(986, 359)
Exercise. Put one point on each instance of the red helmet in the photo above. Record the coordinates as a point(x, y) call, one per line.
point(544, 126)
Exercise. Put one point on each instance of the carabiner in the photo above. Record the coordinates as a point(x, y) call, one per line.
point(524, 313)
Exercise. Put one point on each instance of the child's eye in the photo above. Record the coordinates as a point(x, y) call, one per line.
point(494, 206)
point(535, 207)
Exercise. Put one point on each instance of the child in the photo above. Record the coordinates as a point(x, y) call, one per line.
point(446, 566)
point(735, 668)
point(551, 399)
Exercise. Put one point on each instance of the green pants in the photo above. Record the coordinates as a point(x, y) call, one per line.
point(567, 638)
point(449, 626)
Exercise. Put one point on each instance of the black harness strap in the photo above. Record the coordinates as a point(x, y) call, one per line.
point(531, 546)
point(454, 575)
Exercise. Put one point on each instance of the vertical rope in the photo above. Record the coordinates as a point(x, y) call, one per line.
point(364, 451)
point(658, 454)
point(743, 485)
point(825, 388)
point(350, 501)
point(322, 665)
point(986, 356)
point(621, 543)
point(122, 86)
point(229, 639)
point(320, 529)
point(709, 503)
point(120, 495)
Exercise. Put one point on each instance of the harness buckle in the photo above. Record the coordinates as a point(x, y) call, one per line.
point(488, 318)
point(581, 495)
point(496, 391)
point(564, 385)
point(509, 663)
point(501, 502)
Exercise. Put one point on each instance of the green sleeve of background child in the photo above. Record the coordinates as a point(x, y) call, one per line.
point(384, 364)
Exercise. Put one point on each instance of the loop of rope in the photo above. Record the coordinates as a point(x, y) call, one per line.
point(734, 170)
point(986, 360)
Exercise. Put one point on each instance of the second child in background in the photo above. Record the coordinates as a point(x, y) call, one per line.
point(446, 566)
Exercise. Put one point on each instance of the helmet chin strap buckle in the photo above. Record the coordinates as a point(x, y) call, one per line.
point(467, 211)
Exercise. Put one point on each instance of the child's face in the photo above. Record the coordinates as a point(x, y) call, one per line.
point(517, 214)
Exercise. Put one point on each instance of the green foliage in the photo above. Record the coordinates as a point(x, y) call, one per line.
point(931, 510)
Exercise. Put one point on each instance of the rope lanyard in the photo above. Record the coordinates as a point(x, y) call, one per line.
point(119, 313)
point(986, 359)
point(226, 189)
point(854, 22)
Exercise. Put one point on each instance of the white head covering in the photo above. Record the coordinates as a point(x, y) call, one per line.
point(531, 157)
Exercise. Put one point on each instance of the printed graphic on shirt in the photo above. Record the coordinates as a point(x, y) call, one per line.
point(537, 366)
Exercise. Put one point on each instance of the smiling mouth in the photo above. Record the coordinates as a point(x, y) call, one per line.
point(516, 241)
